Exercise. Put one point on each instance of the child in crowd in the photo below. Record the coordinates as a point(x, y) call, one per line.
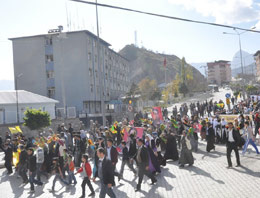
point(71, 170)
point(86, 169)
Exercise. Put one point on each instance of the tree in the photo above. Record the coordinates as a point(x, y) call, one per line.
point(251, 89)
point(36, 119)
point(183, 89)
point(133, 92)
point(149, 89)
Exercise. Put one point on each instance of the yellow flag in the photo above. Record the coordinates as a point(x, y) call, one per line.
point(15, 129)
point(18, 129)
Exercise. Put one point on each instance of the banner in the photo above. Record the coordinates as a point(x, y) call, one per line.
point(157, 115)
point(231, 118)
point(126, 135)
point(15, 129)
point(139, 131)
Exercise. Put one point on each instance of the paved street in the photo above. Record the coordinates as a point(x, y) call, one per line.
point(209, 177)
point(216, 96)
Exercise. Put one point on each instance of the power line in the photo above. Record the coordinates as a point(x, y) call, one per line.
point(165, 16)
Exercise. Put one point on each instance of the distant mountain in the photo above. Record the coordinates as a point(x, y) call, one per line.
point(200, 67)
point(6, 85)
point(145, 63)
point(247, 61)
point(249, 69)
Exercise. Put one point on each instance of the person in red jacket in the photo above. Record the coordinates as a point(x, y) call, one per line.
point(86, 169)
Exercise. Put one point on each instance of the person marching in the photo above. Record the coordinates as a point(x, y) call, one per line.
point(186, 151)
point(210, 137)
point(142, 158)
point(71, 170)
point(32, 169)
point(232, 144)
point(250, 138)
point(126, 160)
point(58, 173)
point(86, 169)
point(106, 177)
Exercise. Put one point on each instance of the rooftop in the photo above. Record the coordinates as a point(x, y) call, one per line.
point(72, 32)
point(24, 97)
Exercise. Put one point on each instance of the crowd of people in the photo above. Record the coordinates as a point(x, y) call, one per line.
point(64, 152)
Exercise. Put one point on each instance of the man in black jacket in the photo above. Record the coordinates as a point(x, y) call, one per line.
point(126, 160)
point(232, 138)
point(8, 150)
point(32, 169)
point(112, 155)
point(22, 166)
point(105, 175)
point(142, 159)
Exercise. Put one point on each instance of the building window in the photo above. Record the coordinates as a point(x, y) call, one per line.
point(95, 58)
point(48, 41)
point(90, 72)
point(89, 56)
point(91, 88)
point(85, 104)
point(50, 74)
point(51, 92)
point(49, 58)
point(95, 43)
point(96, 73)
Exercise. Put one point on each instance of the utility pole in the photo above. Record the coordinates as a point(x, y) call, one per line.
point(17, 100)
point(101, 84)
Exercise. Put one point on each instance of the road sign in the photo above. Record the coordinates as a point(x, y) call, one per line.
point(228, 95)
point(130, 108)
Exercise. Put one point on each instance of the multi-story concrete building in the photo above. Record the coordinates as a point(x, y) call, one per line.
point(257, 62)
point(64, 66)
point(219, 72)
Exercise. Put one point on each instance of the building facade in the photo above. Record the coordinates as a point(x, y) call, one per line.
point(257, 62)
point(8, 105)
point(65, 67)
point(219, 72)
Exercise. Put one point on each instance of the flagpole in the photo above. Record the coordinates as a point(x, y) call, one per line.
point(165, 72)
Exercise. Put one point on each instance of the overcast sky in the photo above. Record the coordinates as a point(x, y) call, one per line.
point(197, 43)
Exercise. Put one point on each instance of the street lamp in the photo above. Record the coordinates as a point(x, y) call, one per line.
point(101, 83)
point(240, 49)
point(16, 91)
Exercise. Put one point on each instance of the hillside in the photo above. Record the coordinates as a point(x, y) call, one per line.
point(145, 63)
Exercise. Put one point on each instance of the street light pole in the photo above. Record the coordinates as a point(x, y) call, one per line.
point(17, 100)
point(241, 58)
point(101, 84)
point(240, 49)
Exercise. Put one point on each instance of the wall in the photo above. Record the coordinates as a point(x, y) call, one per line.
point(10, 111)
point(29, 59)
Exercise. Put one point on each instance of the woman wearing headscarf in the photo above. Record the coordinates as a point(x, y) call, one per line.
point(186, 156)
point(210, 137)
point(171, 151)
point(158, 143)
point(153, 161)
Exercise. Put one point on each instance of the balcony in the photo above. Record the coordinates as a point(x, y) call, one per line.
point(50, 66)
point(48, 49)
point(50, 82)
